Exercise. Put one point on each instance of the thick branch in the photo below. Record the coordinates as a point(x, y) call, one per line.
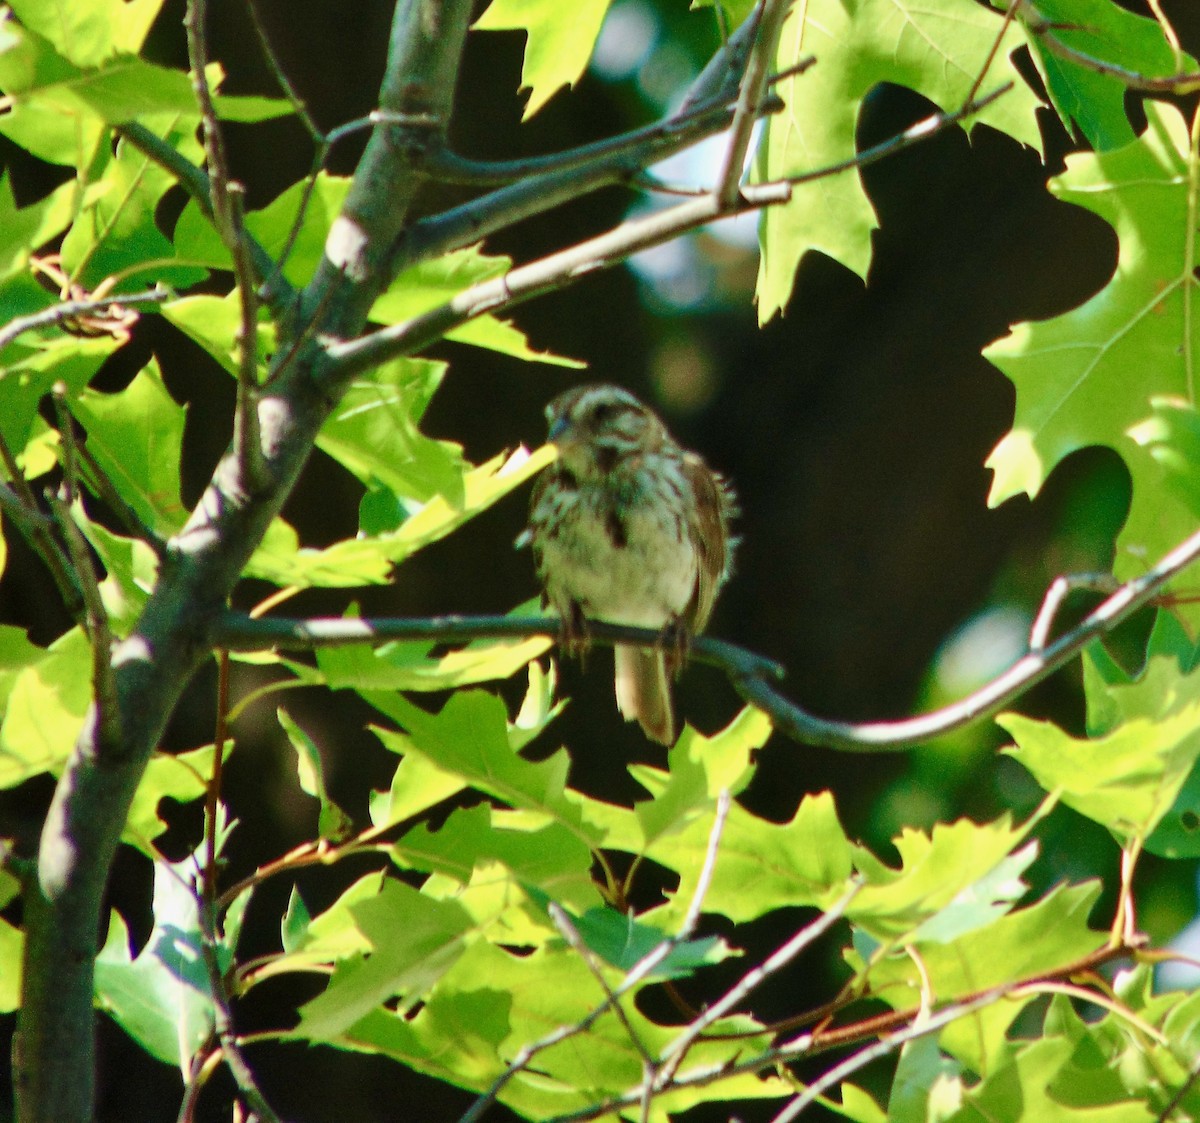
point(53, 1051)
point(426, 45)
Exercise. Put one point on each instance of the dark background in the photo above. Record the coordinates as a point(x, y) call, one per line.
point(855, 429)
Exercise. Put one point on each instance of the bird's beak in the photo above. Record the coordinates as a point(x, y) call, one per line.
point(560, 426)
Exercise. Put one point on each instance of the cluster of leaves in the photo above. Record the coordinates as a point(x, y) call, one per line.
point(498, 954)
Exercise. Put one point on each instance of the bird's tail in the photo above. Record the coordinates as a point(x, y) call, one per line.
point(643, 691)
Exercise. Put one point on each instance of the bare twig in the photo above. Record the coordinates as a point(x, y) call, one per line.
point(97, 479)
point(675, 1053)
point(769, 15)
point(922, 1027)
point(66, 435)
point(570, 933)
point(1044, 31)
point(1060, 588)
point(212, 795)
point(228, 217)
point(231, 1051)
point(561, 269)
point(70, 309)
point(193, 180)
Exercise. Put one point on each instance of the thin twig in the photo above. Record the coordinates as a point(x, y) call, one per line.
point(570, 933)
point(566, 176)
point(914, 134)
point(1005, 23)
point(1183, 83)
point(104, 681)
point(212, 793)
point(558, 270)
point(71, 309)
point(228, 217)
point(193, 180)
point(675, 1053)
point(246, 436)
point(770, 15)
point(1060, 588)
point(98, 480)
point(66, 435)
point(923, 1027)
point(231, 1051)
point(280, 74)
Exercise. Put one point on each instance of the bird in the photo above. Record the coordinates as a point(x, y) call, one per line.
point(628, 527)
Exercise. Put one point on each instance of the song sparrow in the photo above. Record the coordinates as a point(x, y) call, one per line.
point(629, 528)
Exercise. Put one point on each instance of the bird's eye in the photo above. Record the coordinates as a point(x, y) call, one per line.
point(604, 411)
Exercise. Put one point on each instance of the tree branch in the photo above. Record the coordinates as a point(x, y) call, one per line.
point(228, 217)
point(553, 180)
point(749, 673)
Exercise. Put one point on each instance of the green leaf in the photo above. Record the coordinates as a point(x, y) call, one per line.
point(961, 876)
point(1092, 100)
point(89, 32)
point(162, 997)
point(1073, 373)
point(433, 283)
point(333, 824)
point(182, 777)
point(46, 709)
point(417, 785)
point(24, 230)
point(213, 323)
point(136, 436)
point(621, 941)
point(560, 41)
point(552, 858)
point(370, 561)
point(16, 653)
point(1126, 780)
point(412, 939)
point(760, 865)
point(470, 737)
point(196, 239)
point(1027, 943)
point(407, 664)
point(294, 930)
point(31, 367)
point(698, 769)
point(491, 1003)
point(372, 433)
point(132, 572)
point(12, 955)
point(938, 49)
point(115, 230)
point(920, 1081)
point(1171, 435)
point(1041, 1081)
